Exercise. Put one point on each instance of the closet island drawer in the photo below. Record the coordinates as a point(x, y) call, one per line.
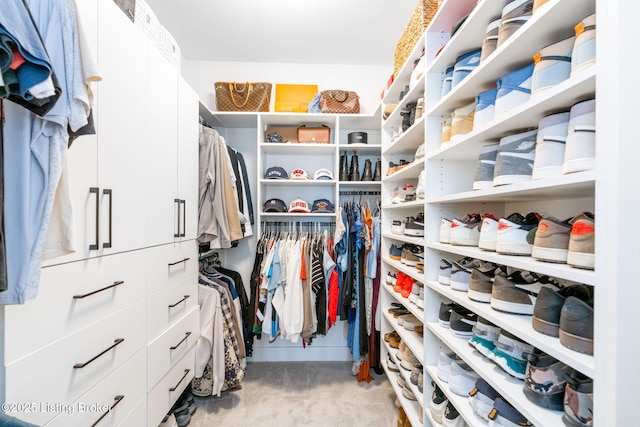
point(71, 297)
point(167, 391)
point(168, 348)
point(166, 264)
point(111, 401)
point(169, 305)
point(63, 371)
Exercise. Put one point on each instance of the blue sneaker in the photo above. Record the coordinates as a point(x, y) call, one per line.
point(395, 252)
point(446, 82)
point(514, 89)
point(485, 335)
point(552, 66)
point(482, 398)
point(505, 415)
point(510, 354)
point(465, 64)
point(485, 106)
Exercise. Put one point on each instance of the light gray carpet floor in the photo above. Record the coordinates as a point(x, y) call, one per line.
point(288, 394)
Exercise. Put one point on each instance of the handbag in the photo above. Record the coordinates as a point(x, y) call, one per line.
point(339, 102)
point(234, 96)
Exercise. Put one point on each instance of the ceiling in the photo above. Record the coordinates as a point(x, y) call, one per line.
point(363, 32)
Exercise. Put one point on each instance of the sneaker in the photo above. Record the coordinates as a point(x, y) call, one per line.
point(461, 322)
point(462, 379)
point(447, 82)
point(576, 325)
point(462, 121)
point(514, 15)
point(462, 265)
point(400, 276)
point(483, 178)
point(452, 417)
point(514, 89)
point(404, 194)
point(409, 255)
point(415, 226)
point(445, 230)
point(465, 231)
point(444, 313)
point(552, 66)
point(578, 400)
point(581, 250)
point(444, 275)
point(445, 360)
point(505, 415)
point(397, 226)
point(409, 360)
point(480, 286)
point(410, 323)
point(584, 49)
point(545, 381)
point(537, 4)
point(550, 143)
point(406, 392)
point(421, 187)
point(512, 235)
point(395, 252)
point(395, 167)
point(517, 298)
point(548, 307)
point(461, 272)
point(419, 152)
point(515, 158)
point(580, 149)
point(391, 364)
point(407, 285)
point(489, 231)
point(551, 240)
point(485, 335)
point(482, 398)
point(485, 107)
point(465, 64)
point(438, 403)
point(510, 354)
point(415, 374)
point(490, 42)
point(391, 278)
point(445, 132)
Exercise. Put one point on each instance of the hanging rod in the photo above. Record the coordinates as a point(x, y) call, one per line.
point(359, 193)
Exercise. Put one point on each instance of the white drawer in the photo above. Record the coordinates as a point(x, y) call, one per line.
point(111, 400)
point(168, 348)
point(59, 309)
point(167, 391)
point(137, 417)
point(170, 304)
point(54, 374)
point(166, 264)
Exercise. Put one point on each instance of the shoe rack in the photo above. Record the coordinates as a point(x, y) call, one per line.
point(450, 173)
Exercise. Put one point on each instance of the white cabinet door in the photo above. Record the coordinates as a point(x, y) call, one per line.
point(122, 132)
point(188, 136)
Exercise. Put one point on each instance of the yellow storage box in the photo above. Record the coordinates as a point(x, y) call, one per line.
point(294, 98)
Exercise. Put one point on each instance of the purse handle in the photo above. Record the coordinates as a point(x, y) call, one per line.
point(346, 95)
point(235, 86)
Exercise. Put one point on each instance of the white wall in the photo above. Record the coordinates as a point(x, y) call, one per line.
point(367, 81)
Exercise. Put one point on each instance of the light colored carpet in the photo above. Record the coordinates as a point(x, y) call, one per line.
point(288, 394)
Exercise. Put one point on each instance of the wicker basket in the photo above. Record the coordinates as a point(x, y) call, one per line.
point(420, 20)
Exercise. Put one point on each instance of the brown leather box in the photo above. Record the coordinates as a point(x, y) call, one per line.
point(316, 135)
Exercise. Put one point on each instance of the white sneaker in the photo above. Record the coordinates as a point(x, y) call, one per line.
point(584, 50)
point(397, 227)
point(420, 189)
point(444, 364)
point(488, 234)
point(512, 234)
point(465, 231)
point(445, 230)
point(419, 152)
point(401, 193)
point(550, 143)
point(580, 150)
point(462, 379)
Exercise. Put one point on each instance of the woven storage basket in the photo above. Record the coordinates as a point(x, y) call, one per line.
point(420, 20)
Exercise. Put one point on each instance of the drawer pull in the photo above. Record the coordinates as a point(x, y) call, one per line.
point(171, 264)
point(186, 372)
point(117, 399)
point(82, 365)
point(182, 300)
point(119, 282)
point(181, 341)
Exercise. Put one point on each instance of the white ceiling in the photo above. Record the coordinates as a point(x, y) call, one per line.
point(363, 32)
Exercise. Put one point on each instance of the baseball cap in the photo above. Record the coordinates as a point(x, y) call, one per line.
point(299, 174)
point(274, 205)
point(322, 206)
point(275, 172)
point(298, 205)
point(322, 173)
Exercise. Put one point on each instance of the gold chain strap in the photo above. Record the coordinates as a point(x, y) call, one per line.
point(235, 86)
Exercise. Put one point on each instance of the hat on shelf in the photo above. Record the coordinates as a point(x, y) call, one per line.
point(357, 138)
point(274, 205)
point(323, 173)
point(299, 174)
point(276, 172)
point(299, 205)
point(322, 206)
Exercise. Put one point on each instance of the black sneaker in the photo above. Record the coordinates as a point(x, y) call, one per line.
point(451, 415)
point(445, 313)
point(576, 325)
point(546, 312)
point(415, 226)
point(461, 322)
point(438, 403)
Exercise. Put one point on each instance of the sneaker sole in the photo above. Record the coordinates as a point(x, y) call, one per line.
point(486, 352)
point(457, 387)
point(579, 165)
point(545, 327)
point(581, 260)
point(395, 257)
point(510, 179)
point(481, 408)
point(511, 307)
point(546, 172)
point(514, 248)
point(412, 232)
point(459, 286)
point(478, 296)
point(409, 263)
point(461, 334)
point(444, 280)
point(464, 242)
point(503, 364)
point(576, 343)
point(487, 245)
point(549, 254)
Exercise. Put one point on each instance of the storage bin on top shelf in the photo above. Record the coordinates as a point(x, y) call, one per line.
point(425, 10)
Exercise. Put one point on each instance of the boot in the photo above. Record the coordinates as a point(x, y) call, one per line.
point(377, 175)
point(366, 174)
point(354, 171)
point(344, 168)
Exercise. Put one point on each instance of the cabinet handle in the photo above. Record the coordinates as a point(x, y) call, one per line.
point(181, 341)
point(117, 400)
point(184, 219)
point(171, 264)
point(96, 191)
point(116, 342)
point(119, 282)
point(109, 192)
point(182, 300)
point(178, 202)
point(186, 372)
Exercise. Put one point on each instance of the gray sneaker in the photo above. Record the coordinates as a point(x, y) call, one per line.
point(514, 162)
point(485, 166)
point(546, 312)
point(516, 298)
point(576, 325)
point(480, 286)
